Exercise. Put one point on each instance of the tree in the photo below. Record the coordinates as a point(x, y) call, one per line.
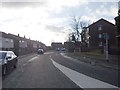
point(73, 38)
point(77, 25)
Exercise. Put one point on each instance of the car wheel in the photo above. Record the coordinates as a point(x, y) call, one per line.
point(4, 70)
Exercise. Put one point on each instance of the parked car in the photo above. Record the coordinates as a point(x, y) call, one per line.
point(40, 51)
point(8, 60)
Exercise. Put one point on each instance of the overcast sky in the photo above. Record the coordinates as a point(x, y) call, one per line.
point(49, 20)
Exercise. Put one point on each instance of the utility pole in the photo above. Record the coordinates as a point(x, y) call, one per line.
point(106, 50)
point(106, 37)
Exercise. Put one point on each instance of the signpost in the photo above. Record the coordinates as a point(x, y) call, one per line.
point(106, 37)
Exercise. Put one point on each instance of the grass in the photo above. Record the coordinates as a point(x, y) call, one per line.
point(96, 54)
point(92, 54)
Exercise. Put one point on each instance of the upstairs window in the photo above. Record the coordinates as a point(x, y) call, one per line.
point(7, 40)
point(100, 27)
point(100, 35)
point(100, 44)
point(11, 40)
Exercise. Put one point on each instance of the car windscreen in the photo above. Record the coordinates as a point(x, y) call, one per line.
point(2, 55)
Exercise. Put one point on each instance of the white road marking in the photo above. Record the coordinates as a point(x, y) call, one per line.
point(24, 64)
point(66, 56)
point(48, 53)
point(32, 59)
point(82, 80)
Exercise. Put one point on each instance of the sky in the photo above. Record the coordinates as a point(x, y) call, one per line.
point(49, 20)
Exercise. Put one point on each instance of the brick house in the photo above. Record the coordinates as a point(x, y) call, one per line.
point(92, 36)
point(56, 45)
point(20, 45)
point(70, 46)
point(6, 42)
point(16, 43)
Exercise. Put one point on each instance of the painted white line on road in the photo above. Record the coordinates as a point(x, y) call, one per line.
point(66, 56)
point(32, 59)
point(24, 64)
point(48, 53)
point(82, 80)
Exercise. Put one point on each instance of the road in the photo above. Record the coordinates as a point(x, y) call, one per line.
point(53, 70)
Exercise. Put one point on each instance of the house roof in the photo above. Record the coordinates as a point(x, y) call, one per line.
point(101, 20)
point(12, 36)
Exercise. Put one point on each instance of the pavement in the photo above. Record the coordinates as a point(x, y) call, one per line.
point(112, 64)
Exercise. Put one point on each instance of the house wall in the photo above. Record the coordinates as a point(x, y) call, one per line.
point(6, 43)
point(19, 45)
point(70, 46)
point(56, 45)
point(94, 32)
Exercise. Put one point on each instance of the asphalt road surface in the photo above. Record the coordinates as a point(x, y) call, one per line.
point(53, 70)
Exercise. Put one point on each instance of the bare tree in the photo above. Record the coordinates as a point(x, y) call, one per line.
point(77, 25)
point(71, 37)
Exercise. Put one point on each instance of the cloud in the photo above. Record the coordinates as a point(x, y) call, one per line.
point(50, 5)
point(19, 0)
point(12, 19)
point(52, 28)
point(22, 4)
point(48, 20)
point(88, 18)
point(112, 11)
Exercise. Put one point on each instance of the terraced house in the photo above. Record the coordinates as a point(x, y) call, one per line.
point(6, 42)
point(20, 45)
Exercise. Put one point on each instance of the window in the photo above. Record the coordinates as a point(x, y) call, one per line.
point(11, 40)
point(7, 40)
point(100, 44)
point(23, 41)
point(87, 29)
point(2, 55)
point(20, 41)
point(100, 35)
point(100, 27)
